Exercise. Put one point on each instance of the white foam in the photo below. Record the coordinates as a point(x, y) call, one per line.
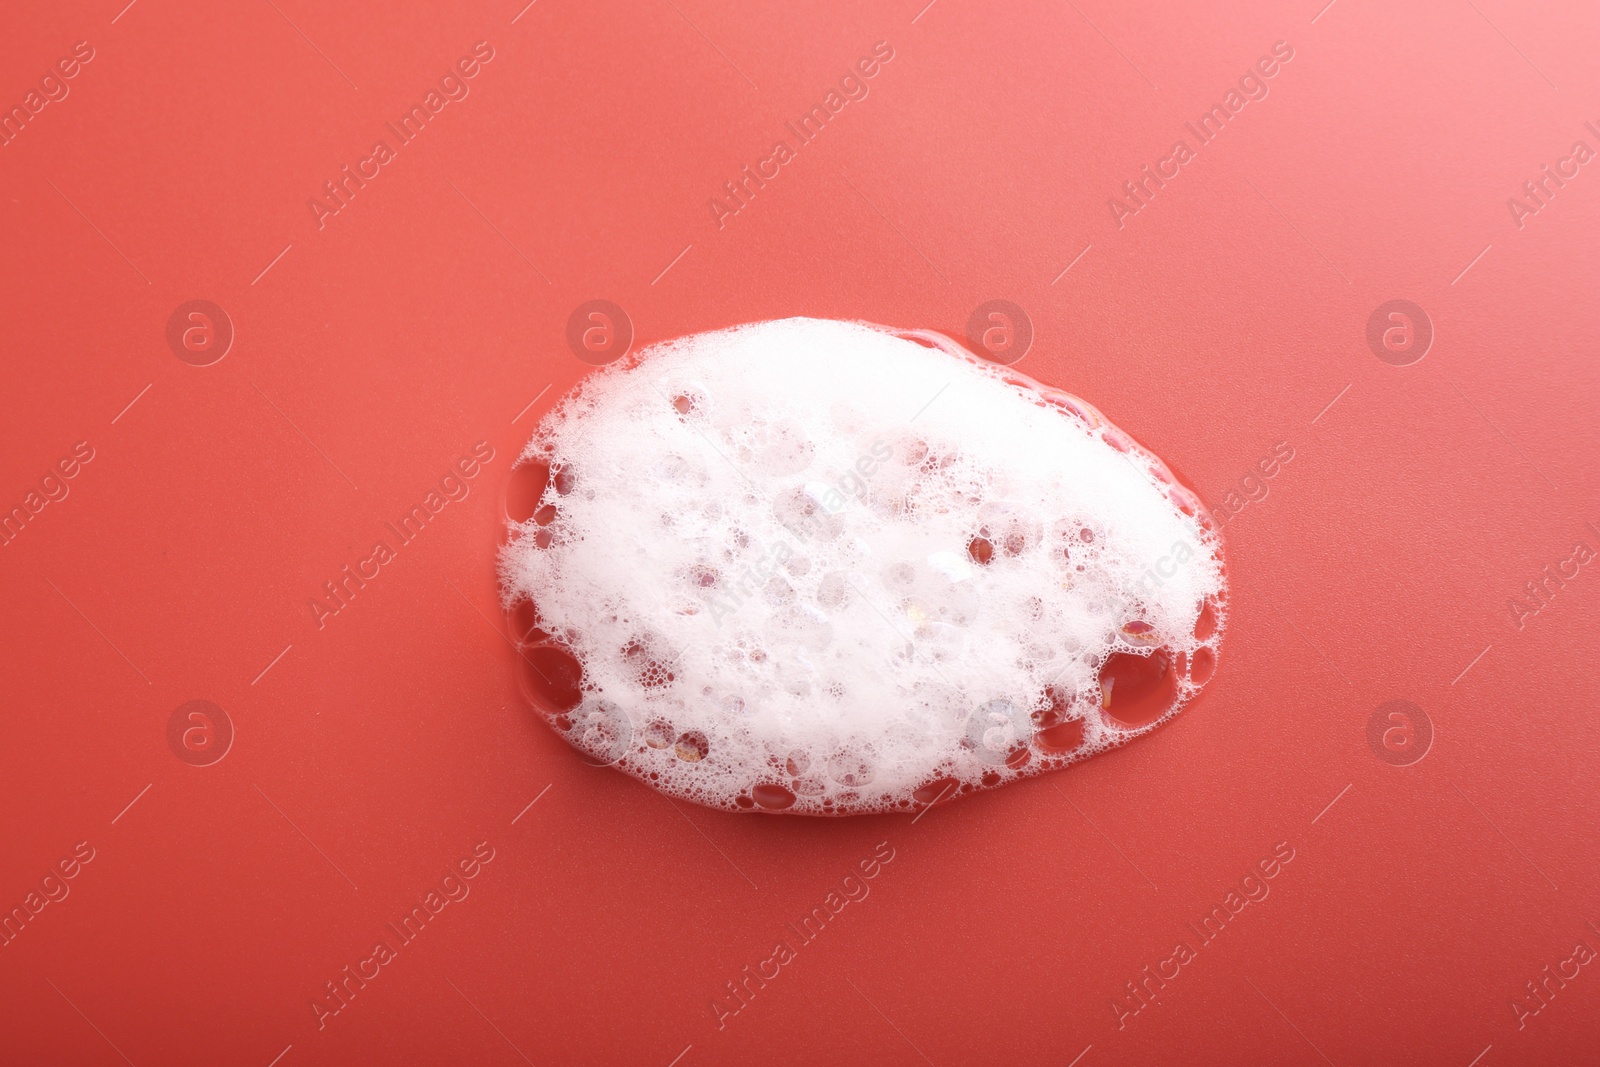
point(765, 556)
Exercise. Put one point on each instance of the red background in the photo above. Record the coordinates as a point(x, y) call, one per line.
point(1221, 319)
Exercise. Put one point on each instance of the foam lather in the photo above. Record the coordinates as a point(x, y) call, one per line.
point(828, 567)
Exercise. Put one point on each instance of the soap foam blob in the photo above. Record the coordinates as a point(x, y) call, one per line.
point(826, 568)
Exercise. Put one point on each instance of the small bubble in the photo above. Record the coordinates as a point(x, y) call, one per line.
point(603, 730)
point(658, 733)
point(833, 591)
point(772, 797)
point(525, 488)
point(1139, 632)
point(691, 747)
point(849, 768)
point(552, 678)
point(1063, 737)
point(523, 618)
point(1136, 690)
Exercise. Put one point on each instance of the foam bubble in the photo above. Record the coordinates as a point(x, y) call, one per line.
point(827, 567)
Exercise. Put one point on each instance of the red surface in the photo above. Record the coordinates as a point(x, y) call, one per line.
point(376, 752)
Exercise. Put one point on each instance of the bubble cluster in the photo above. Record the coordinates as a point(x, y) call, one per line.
point(828, 567)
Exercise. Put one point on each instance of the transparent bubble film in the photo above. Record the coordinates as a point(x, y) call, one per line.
point(829, 568)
